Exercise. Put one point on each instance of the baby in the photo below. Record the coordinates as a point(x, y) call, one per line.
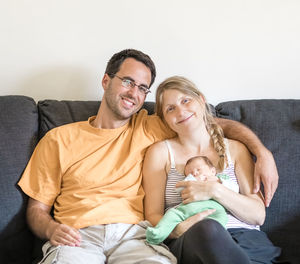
point(198, 168)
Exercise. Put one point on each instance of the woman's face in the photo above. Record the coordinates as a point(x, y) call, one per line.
point(182, 112)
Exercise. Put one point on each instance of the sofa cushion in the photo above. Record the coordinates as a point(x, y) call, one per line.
point(55, 113)
point(277, 124)
point(18, 134)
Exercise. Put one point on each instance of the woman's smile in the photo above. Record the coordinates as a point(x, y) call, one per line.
point(186, 119)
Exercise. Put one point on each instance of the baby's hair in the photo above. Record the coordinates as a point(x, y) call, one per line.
point(204, 158)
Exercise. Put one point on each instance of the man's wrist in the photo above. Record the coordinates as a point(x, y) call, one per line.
point(263, 153)
point(52, 225)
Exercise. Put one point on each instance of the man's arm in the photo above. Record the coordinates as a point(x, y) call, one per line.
point(45, 227)
point(265, 168)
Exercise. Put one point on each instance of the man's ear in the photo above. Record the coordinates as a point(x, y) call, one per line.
point(105, 81)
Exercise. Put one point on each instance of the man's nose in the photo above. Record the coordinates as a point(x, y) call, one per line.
point(134, 91)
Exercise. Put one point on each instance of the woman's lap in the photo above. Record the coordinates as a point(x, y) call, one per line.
point(208, 242)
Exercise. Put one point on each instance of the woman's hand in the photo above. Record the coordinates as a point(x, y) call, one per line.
point(196, 190)
point(185, 225)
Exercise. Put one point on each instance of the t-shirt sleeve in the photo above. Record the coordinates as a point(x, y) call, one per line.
point(41, 179)
point(157, 129)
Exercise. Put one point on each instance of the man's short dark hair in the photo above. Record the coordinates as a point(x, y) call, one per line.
point(114, 64)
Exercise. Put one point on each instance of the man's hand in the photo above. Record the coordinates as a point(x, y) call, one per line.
point(266, 172)
point(186, 224)
point(61, 234)
point(44, 226)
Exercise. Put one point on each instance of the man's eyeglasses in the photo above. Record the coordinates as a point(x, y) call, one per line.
point(129, 84)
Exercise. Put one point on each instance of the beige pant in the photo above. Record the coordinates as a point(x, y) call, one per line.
point(109, 244)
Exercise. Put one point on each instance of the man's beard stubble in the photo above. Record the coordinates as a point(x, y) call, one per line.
point(113, 104)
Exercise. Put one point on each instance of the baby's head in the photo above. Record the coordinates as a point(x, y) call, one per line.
point(201, 168)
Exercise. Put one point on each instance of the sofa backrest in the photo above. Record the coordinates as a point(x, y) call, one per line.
point(277, 124)
point(18, 137)
point(55, 113)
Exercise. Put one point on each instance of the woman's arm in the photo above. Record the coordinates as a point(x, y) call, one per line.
point(154, 182)
point(265, 167)
point(245, 205)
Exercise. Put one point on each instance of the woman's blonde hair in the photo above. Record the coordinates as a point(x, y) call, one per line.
point(187, 87)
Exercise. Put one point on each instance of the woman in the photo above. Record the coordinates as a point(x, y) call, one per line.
point(184, 109)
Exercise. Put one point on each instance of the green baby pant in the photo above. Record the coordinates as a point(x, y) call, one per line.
point(174, 216)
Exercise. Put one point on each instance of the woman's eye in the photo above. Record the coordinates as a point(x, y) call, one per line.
point(169, 109)
point(186, 100)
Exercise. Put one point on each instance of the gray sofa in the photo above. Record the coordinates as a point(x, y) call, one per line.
point(23, 122)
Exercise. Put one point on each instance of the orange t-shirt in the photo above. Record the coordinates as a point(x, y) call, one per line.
point(93, 176)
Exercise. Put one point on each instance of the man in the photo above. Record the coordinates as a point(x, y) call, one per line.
point(91, 172)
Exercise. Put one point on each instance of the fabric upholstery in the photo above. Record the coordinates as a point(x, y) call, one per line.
point(18, 137)
point(277, 124)
point(55, 113)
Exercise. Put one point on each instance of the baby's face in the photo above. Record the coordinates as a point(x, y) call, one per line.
point(200, 170)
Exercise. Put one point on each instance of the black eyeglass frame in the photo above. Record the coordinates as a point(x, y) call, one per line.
point(127, 83)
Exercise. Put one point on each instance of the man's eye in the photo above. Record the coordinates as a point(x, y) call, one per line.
point(127, 82)
point(143, 89)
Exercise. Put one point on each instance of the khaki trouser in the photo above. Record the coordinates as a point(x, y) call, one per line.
point(109, 244)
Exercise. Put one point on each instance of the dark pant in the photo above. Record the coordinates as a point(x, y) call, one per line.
point(207, 242)
point(256, 244)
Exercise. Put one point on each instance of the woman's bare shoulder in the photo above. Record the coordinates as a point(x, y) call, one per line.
point(156, 157)
point(157, 151)
point(158, 146)
point(236, 148)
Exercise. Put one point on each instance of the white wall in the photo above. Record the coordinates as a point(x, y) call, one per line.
point(232, 49)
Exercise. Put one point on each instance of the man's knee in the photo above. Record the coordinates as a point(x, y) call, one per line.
point(70, 255)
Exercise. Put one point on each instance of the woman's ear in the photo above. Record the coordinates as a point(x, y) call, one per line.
point(202, 99)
